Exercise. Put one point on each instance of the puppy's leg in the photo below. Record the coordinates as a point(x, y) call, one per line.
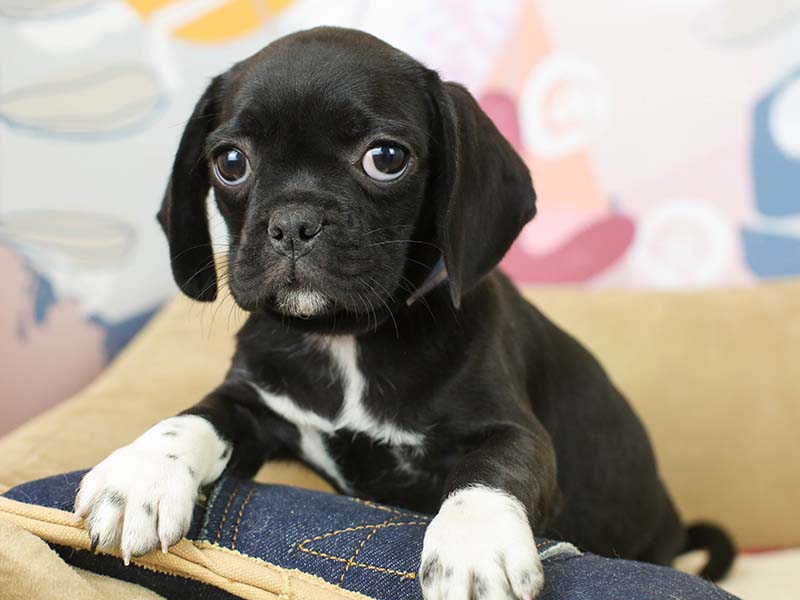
point(480, 544)
point(141, 496)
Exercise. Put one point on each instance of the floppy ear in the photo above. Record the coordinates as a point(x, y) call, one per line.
point(483, 189)
point(183, 214)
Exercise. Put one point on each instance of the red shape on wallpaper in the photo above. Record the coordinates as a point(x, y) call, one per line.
point(585, 255)
point(503, 112)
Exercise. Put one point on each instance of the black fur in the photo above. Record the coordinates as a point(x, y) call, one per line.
point(704, 536)
point(502, 395)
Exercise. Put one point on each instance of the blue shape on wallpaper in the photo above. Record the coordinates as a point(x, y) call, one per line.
point(119, 333)
point(44, 297)
point(776, 187)
point(771, 255)
point(776, 176)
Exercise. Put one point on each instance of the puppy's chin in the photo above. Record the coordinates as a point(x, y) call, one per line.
point(304, 304)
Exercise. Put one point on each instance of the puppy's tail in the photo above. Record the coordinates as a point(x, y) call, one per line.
point(720, 548)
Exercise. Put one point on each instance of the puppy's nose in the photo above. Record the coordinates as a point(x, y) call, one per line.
point(292, 231)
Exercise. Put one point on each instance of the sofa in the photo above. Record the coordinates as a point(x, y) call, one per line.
point(711, 374)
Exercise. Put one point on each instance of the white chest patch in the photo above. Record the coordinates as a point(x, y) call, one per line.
point(352, 416)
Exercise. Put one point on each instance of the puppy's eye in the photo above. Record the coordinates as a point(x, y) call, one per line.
point(231, 166)
point(385, 162)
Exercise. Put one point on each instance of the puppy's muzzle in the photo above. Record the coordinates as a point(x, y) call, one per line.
point(293, 230)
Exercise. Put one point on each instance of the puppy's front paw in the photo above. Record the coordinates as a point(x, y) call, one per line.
point(142, 496)
point(480, 546)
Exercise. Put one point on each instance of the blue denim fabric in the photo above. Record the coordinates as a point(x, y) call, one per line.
point(360, 546)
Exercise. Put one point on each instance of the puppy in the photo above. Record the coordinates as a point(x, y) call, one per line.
point(368, 203)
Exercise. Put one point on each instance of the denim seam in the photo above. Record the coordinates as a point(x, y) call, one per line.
point(239, 518)
point(560, 550)
point(403, 574)
point(401, 513)
point(559, 558)
point(311, 578)
point(209, 511)
point(360, 548)
point(225, 512)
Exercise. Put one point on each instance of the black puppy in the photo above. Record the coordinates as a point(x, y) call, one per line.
point(368, 203)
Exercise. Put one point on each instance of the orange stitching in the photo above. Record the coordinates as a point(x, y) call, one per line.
point(358, 528)
point(395, 511)
point(403, 574)
point(294, 574)
point(225, 512)
point(359, 549)
point(239, 519)
point(316, 538)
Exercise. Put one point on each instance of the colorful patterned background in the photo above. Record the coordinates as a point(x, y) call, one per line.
point(663, 136)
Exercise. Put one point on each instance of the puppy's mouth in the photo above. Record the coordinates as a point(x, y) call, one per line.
point(301, 302)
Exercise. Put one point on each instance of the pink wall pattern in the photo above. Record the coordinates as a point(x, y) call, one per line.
point(663, 138)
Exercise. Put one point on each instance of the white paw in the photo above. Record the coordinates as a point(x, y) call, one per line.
point(480, 546)
point(141, 496)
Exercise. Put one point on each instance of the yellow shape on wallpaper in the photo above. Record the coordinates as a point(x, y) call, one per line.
point(147, 7)
point(228, 21)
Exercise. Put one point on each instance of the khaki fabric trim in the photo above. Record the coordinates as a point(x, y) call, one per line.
point(236, 573)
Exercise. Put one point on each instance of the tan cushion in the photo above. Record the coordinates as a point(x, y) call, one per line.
point(31, 570)
point(711, 373)
point(765, 576)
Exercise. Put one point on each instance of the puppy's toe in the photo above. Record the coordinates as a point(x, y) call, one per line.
point(139, 529)
point(88, 493)
point(174, 516)
point(523, 573)
point(433, 579)
point(104, 520)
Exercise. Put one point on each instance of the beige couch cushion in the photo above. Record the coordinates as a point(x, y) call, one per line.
point(714, 376)
point(711, 373)
point(31, 570)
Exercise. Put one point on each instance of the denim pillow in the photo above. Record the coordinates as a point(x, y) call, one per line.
point(253, 541)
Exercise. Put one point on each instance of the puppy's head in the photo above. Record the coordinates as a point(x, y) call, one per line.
point(344, 170)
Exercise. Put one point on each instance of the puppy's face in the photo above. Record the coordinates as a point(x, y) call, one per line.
point(344, 170)
point(319, 166)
